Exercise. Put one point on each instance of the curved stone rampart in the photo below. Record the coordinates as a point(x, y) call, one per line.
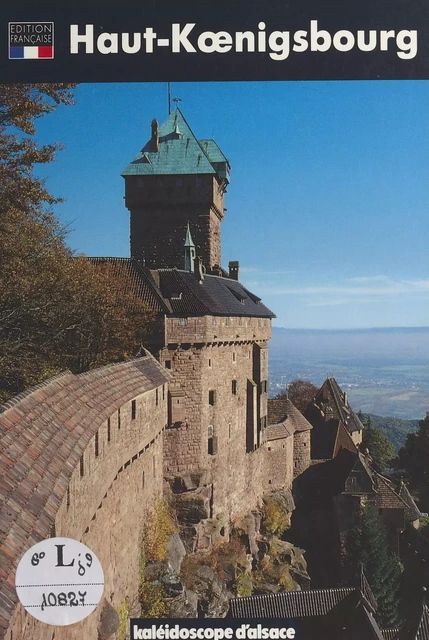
point(65, 447)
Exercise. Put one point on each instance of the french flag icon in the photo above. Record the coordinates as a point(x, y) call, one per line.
point(28, 53)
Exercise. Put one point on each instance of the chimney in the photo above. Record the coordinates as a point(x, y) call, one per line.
point(234, 267)
point(199, 270)
point(154, 141)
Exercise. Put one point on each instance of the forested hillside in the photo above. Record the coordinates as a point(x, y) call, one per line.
point(395, 429)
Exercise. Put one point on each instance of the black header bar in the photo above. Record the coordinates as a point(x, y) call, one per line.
point(161, 40)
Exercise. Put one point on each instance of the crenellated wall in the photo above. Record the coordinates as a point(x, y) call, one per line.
point(84, 457)
point(88, 450)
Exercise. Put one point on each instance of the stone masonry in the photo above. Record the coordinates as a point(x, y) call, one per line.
point(84, 460)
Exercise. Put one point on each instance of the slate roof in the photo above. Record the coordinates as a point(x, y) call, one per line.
point(292, 604)
point(43, 433)
point(179, 153)
point(282, 411)
point(180, 293)
point(330, 400)
point(422, 627)
point(215, 295)
point(347, 612)
point(413, 512)
point(391, 633)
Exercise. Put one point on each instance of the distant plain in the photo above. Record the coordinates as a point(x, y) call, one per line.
point(384, 371)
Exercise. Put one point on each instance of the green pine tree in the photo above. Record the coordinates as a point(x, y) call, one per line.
point(368, 548)
point(380, 448)
point(414, 459)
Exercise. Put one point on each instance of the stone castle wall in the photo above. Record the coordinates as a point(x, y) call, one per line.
point(103, 492)
point(106, 432)
point(215, 329)
point(279, 465)
point(301, 452)
point(215, 428)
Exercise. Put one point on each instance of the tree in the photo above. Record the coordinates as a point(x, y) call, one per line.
point(367, 548)
point(379, 446)
point(413, 458)
point(56, 311)
point(300, 392)
point(32, 241)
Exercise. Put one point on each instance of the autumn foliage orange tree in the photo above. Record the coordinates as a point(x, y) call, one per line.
point(56, 311)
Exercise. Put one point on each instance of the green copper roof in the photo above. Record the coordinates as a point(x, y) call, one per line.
point(188, 239)
point(179, 153)
point(212, 150)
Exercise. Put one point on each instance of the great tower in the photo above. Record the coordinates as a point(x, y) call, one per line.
point(176, 179)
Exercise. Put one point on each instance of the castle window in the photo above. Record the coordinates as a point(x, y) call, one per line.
point(212, 397)
point(234, 387)
point(227, 322)
point(182, 322)
point(211, 442)
point(233, 356)
point(108, 429)
point(264, 386)
point(168, 364)
point(229, 430)
point(240, 322)
point(163, 391)
point(142, 479)
point(96, 448)
point(249, 322)
point(119, 418)
point(214, 321)
point(210, 363)
point(81, 466)
point(156, 397)
point(133, 410)
point(68, 497)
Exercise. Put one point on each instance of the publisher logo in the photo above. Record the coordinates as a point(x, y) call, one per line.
point(31, 40)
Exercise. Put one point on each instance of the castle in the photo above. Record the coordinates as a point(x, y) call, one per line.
point(86, 454)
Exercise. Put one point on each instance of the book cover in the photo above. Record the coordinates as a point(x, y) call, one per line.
point(213, 320)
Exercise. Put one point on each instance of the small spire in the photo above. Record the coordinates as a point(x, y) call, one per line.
point(189, 251)
point(188, 239)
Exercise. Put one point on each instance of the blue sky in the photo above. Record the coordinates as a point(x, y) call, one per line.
point(328, 205)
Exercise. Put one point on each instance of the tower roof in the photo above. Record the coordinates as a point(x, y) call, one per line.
point(178, 152)
point(330, 399)
point(188, 238)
